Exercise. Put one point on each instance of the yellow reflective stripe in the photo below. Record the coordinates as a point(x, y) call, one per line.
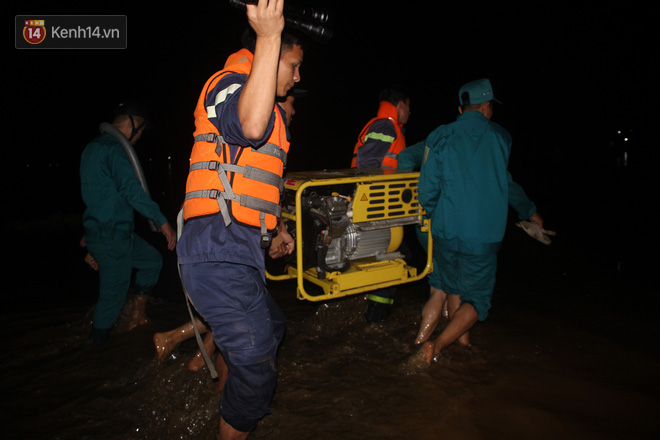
point(379, 137)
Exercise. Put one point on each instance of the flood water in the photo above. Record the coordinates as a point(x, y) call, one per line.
point(569, 351)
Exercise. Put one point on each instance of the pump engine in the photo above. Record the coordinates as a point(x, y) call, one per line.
point(348, 226)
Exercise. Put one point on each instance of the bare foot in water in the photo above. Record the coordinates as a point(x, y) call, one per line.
point(434, 310)
point(138, 314)
point(198, 361)
point(165, 342)
point(428, 349)
point(164, 346)
point(420, 360)
point(138, 321)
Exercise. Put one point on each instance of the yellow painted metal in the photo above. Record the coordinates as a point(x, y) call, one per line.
point(396, 238)
point(379, 195)
point(385, 199)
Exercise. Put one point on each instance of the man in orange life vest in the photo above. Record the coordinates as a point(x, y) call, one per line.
point(382, 139)
point(232, 208)
point(167, 341)
point(378, 146)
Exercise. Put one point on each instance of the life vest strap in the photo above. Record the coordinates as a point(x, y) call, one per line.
point(216, 194)
point(265, 238)
point(264, 176)
point(249, 172)
point(273, 150)
point(210, 137)
point(263, 206)
point(220, 196)
point(268, 148)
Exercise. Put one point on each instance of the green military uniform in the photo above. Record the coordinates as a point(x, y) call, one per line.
point(111, 192)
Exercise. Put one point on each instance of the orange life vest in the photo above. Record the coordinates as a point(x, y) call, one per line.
point(245, 188)
point(386, 110)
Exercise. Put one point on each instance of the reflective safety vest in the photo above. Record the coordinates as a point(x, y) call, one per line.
point(245, 188)
point(386, 110)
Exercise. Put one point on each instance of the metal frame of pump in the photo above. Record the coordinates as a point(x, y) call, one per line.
point(370, 273)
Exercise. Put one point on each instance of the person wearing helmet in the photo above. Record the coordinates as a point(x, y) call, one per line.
point(112, 191)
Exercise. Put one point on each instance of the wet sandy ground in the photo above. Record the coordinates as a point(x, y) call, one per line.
point(569, 351)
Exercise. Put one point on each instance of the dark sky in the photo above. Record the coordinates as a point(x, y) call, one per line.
point(569, 76)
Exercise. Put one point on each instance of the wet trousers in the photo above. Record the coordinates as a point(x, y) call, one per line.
point(470, 276)
point(117, 257)
point(247, 327)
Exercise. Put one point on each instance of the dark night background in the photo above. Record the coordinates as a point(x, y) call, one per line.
point(570, 76)
point(571, 348)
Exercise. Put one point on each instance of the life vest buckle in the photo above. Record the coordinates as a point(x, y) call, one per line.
point(214, 165)
point(207, 137)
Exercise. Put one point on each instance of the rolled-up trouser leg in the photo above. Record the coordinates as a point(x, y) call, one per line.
point(247, 327)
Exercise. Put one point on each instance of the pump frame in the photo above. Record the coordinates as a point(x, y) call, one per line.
point(366, 274)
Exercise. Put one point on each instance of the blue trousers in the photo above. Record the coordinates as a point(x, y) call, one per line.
point(117, 257)
point(247, 326)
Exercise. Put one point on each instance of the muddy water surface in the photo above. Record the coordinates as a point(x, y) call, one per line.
point(566, 353)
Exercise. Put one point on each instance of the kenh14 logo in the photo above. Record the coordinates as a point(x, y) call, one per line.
point(34, 31)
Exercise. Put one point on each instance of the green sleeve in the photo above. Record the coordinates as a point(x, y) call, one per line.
point(130, 188)
point(410, 159)
point(429, 180)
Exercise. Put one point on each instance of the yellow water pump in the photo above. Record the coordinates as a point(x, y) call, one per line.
point(348, 226)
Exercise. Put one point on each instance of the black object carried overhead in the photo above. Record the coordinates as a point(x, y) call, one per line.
point(312, 21)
